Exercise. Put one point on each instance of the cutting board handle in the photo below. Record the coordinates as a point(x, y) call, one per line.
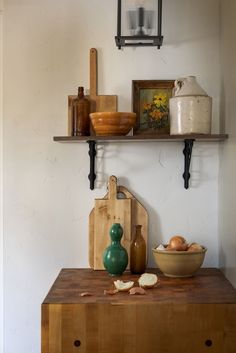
point(93, 72)
point(122, 190)
point(112, 187)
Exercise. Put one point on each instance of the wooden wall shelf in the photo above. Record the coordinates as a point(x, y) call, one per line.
point(187, 151)
point(141, 138)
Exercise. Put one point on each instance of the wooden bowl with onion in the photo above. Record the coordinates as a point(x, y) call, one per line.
point(112, 123)
point(178, 258)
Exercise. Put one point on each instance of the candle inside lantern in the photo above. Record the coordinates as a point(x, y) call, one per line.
point(141, 16)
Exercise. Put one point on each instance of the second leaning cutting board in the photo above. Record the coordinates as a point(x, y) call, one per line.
point(106, 212)
point(98, 103)
point(127, 211)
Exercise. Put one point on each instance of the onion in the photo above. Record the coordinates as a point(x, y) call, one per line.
point(123, 286)
point(195, 247)
point(177, 243)
point(148, 280)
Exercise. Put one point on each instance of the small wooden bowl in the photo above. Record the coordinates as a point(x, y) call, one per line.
point(112, 123)
point(179, 263)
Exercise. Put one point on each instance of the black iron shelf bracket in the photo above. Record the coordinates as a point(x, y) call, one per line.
point(187, 151)
point(188, 146)
point(92, 154)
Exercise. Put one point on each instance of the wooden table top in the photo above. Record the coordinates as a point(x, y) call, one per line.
point(207, 287)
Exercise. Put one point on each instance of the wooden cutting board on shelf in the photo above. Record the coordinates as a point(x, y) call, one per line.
point(98, 103)
point(127, 211)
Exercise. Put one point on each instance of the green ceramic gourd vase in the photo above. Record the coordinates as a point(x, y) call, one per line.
point(115, 257)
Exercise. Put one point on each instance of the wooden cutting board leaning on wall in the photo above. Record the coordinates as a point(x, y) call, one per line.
point(98, 103)
point(127, 211)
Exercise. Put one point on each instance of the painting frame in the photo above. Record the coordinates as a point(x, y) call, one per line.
point(150, 99)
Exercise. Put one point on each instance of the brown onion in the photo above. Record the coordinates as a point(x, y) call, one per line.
point(169, 248)
point(177, 243)
point(194, 247)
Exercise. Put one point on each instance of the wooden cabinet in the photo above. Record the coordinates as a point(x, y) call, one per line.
point(194, 315)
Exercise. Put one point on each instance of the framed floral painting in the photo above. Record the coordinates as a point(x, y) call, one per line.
point(151, 104)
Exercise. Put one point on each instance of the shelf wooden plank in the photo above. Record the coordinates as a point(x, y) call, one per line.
point(142, 138)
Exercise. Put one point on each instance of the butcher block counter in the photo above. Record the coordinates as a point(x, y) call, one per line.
point(192, 315)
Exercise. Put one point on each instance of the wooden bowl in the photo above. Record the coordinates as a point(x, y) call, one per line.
point(179, 263)
point(112, 123)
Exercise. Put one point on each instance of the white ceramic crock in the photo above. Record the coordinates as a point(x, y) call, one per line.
point(190, 108)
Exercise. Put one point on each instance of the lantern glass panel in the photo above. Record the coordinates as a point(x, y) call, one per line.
point(139, 17)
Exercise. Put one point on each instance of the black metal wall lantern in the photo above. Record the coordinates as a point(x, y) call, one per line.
point(139, 23)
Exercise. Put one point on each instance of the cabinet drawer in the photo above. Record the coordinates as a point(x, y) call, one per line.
point(138, 328)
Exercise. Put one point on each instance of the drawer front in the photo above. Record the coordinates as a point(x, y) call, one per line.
point(146, 328)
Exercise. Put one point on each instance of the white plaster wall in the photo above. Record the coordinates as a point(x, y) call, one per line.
point(46, 193)
point(227, 176)
point(1, 209)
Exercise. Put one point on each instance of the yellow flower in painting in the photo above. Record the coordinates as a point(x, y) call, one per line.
point(156, 113)
point(160, 99)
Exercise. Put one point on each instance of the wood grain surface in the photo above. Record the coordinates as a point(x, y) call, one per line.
point(99, 103)
point(108, 210)
point(196, 315)
point(144, 138)
point(208, 286)
point(195, 328)
point(106, 213)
